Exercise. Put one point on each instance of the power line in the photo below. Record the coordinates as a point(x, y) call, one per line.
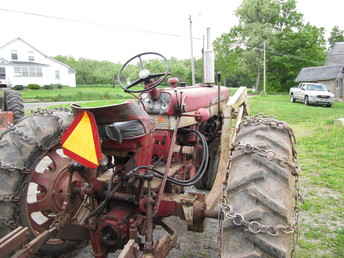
point(66, 19)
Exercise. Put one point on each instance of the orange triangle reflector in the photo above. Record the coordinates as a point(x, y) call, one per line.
point(81, 140)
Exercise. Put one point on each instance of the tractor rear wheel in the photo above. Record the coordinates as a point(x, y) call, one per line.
point(261, 191)
point(31, 168)
point(14, 103)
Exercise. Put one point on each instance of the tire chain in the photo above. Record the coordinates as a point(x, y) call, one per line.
point(226, 211)
point(9, 168)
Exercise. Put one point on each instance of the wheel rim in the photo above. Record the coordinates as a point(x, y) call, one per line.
point(47, 190)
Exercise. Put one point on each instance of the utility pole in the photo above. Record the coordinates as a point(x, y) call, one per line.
point(191, 50)
point(264, 90)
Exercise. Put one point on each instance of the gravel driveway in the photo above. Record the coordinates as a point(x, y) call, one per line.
point(35, 105)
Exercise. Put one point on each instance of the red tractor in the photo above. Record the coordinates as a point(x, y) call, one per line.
point(144, 157)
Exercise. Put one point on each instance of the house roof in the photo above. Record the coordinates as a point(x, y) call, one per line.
point(335, 55)
point(51, 58)
point(3, 61)
point(320, 73)
point(27, 63)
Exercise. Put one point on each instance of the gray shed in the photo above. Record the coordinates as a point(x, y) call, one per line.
point(332, 76)
point(335, 55)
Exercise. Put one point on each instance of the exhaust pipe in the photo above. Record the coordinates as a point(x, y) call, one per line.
point(208, 61)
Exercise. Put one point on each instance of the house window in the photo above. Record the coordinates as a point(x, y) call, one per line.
point(21, 71)
point(14, 55)
point(57, 75)
point(2, 73)
point(31, 57)
point(28, 71)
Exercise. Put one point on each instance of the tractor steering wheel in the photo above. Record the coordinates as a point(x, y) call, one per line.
point(150, 80)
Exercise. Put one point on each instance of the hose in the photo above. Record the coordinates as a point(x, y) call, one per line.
point(200, 172)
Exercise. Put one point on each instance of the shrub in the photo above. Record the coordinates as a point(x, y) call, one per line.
point(33, 86)
point(18, 87)
point(48, 87)
point(57, 85)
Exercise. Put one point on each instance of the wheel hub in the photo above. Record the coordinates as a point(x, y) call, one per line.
point(48, 192)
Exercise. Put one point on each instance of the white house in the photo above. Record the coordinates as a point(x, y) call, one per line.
point(22, 64)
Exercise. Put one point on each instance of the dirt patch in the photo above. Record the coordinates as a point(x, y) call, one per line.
point(302, 131)
point(190, 244)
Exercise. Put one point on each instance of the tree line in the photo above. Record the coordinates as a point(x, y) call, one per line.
point(90, 71)
point(291, 44)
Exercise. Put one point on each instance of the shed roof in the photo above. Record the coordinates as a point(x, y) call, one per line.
point(335, 55)
point(320, 73)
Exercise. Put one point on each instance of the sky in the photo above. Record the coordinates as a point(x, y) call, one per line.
point(116, 30)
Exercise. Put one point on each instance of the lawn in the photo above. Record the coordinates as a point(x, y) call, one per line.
point(320, 146)
point(74, 94)
point(81, 92)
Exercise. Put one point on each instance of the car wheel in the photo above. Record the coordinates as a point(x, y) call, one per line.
point(329, 105)
point(306, 101)
point(292, 99)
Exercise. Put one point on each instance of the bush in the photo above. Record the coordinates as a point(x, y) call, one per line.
point(33, 86)
point(18, 87)
point(57, 86)
point(48, 87)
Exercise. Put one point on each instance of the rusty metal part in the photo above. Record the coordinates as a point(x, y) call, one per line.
point(164, 245)
point(189, 207)
point(130, 250)
point(168, 164)
point(52, 197)
point(31, 248)
point(161, 247)
point(13, 240)
point(149, 219)
point(74, 232)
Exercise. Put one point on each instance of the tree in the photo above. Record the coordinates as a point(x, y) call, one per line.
point(291, 44)
point(337, 35)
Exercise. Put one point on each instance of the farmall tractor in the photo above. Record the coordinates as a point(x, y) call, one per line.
point(109, 176)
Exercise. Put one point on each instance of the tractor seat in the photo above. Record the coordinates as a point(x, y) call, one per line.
point(119, 131)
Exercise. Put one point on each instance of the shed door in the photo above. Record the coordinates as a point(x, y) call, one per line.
point(339, 88)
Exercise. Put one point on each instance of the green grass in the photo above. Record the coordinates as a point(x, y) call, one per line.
point(320, 146)
point(96, 103)
point(74, 94)
point(81, 92)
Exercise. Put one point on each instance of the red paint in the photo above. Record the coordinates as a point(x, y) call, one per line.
point(6, 119)
point(195, 97)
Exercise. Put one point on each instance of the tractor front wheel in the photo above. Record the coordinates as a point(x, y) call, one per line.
point(261, 192)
